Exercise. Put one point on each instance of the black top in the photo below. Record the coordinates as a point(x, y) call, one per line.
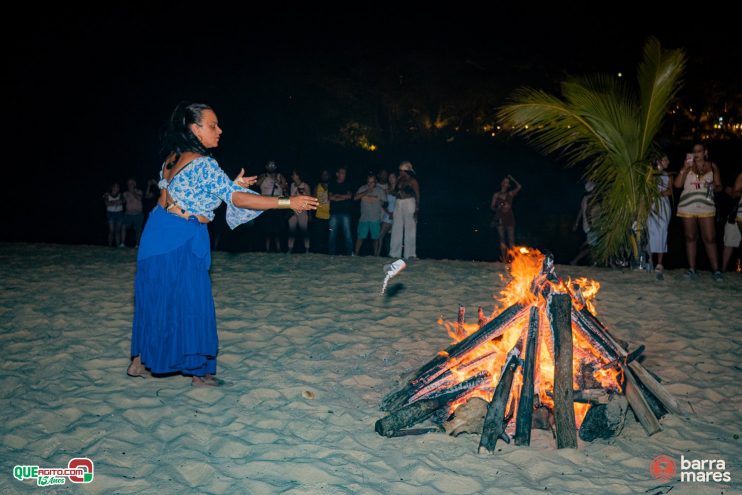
point(344, 206)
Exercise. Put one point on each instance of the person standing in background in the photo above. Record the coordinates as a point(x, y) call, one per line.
point(659, 216)
point(133, 216)
point(404, 223)
point(733, 225)
point(299, 220)
point(272, 223)
point(114, 214)
point(372, 197)
point(699, 179)
point(504, 219)
point(341, 202)
point(386, 219)
point(320, 225)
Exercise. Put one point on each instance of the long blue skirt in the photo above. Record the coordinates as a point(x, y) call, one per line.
point(174, 326)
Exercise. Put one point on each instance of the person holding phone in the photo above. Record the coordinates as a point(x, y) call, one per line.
point(699, 179)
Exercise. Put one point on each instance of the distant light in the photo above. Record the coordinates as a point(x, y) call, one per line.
point(493, 134)
point(721, 119)
point(526, 126)
point(690, 109)
point(372, 147)
point(498, 127)
point(620, 74)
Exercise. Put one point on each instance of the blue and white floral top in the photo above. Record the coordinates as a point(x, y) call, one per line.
point(201, 186)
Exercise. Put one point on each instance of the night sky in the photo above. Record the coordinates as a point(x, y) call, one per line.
point(90, 90)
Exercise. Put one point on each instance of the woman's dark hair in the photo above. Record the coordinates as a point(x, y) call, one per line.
point(656, 156)
point(178, 137)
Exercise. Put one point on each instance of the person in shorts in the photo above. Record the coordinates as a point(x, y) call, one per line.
point(372, 198)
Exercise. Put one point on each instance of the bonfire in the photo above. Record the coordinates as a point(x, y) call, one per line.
point(542, 359)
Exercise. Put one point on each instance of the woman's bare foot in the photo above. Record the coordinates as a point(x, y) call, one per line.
point(206, 381)
point(136, 369)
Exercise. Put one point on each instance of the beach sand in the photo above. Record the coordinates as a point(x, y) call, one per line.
point(308, 348)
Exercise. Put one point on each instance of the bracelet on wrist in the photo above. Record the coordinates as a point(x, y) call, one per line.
point(284, 202)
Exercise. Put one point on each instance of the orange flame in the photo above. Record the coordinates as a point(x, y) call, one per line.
point(524, 267)
point(524, 272)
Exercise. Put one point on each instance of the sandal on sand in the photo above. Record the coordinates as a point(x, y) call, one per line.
point(206, 381)
point(659, 269)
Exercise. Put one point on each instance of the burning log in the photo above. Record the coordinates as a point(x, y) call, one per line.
point(423, 409)
point(460, 320)
point(448, 378)
point(608, 377)
point(646, 378)
point(525, 404)
point(588, 322)
point(593, 335)
point(452, 357)
point(559, 310)
point(494, 426)
point(586, 376)
point(605, 420)
point(455, 354)
point(649, 383)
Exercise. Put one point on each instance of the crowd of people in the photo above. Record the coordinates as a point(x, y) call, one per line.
point(371, 207)
point(174, 326)
point(699, 182)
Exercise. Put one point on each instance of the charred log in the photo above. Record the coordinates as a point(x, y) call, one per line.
point(452, 357)
point(423, 409)
point(559, 310)
point(639, 405)
point(494, 425)
point(525, 404)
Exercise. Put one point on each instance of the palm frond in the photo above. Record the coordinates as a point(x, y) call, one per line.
point(659, 78)
point(601, 124)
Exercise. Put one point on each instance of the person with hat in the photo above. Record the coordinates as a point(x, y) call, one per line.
point(404, 223)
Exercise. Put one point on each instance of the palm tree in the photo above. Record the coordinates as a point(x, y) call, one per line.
point(602, 124)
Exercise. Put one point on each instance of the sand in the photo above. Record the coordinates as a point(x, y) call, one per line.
point(308, 349)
